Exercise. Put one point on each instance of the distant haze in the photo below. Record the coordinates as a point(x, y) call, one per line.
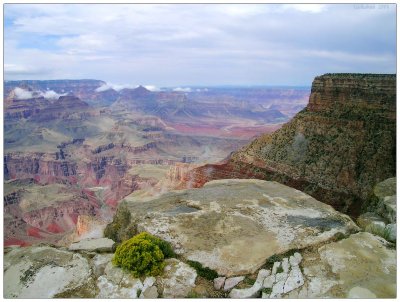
point(181, 45)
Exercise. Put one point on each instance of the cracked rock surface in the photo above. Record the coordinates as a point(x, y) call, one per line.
point(216, 223)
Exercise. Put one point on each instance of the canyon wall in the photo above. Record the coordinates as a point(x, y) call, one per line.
point(336, 149)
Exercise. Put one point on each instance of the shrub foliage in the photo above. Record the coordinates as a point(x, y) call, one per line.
point(143, 255)
point(202, 271)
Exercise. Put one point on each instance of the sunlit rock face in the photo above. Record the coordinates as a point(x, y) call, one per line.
point(218, 223)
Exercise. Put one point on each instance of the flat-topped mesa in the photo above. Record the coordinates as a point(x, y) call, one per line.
point(343, 92)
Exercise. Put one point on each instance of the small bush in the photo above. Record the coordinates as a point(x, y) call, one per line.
point(166, 248)
point(267, 290)
point(204, 272)
point(122, 227)
point(143, 255)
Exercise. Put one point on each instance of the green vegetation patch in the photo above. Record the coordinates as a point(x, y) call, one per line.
point(143, 255)
point(204, 272)
point(122, 227)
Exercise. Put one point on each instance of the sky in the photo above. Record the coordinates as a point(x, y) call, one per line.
point(197, 44)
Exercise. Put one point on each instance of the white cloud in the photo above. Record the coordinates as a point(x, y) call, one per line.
point(116, 87)
point(22, 94)
point(180, 89)
point(195, 44)
point(151, 87)
point(51, 94)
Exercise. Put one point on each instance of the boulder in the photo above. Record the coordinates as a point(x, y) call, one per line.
point(177, 280)
point(100, 245)
point(369, 218)
point(99, 263)
point(149, 293)
point(252, 292)
point(219, 282)
point(45, 272)
point(215, 224)
point(361, 266)
point(385, 199)
point(391, 232)
point(118, 284)
point(232, 282)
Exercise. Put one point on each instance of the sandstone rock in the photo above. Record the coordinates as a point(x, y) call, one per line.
point(275, 267)
point(285, 265)
point(215, 224)
point(148, 282)
point(178, 279)
point(385, 193)
point(117, 284)
point(360, 292)
point(45, 272)
point(253, 291)
point(269, 281)
point(100, 261)
point(219, 282)
point(93, 245)
point(295, 259)
point(279, 286)
point(295, 279)
point(347, 267)
point(232, 282)
point(366, 219)
point(149, 293)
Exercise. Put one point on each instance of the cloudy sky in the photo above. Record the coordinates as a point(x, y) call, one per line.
point(197, 44)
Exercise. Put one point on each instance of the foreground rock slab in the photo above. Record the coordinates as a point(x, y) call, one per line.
point(361, 266)
point(46, 272)
point(233, 226)
point(93, 245)
point(117, 284)
point(177, 280)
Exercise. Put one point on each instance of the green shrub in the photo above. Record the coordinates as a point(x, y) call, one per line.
point(122, 227)
point(143, 255)
point(165, 247)
point(204, 272)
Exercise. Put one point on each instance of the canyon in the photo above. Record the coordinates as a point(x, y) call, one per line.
point(94, 145)
point(277, 201)
point(336, 149)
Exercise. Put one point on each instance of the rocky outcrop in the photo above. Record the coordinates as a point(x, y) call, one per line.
point(100, 245)
point(214, 224)
point(41, 166)
point(336, 149)
point(178, 279)
point(384, 200)
point(361, 266)
point(381, 207)
point(45, 272)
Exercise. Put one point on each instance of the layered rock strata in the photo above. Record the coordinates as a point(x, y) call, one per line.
point(336, 149)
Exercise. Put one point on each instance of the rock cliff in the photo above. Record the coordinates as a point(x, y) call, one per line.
point(336, 149)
